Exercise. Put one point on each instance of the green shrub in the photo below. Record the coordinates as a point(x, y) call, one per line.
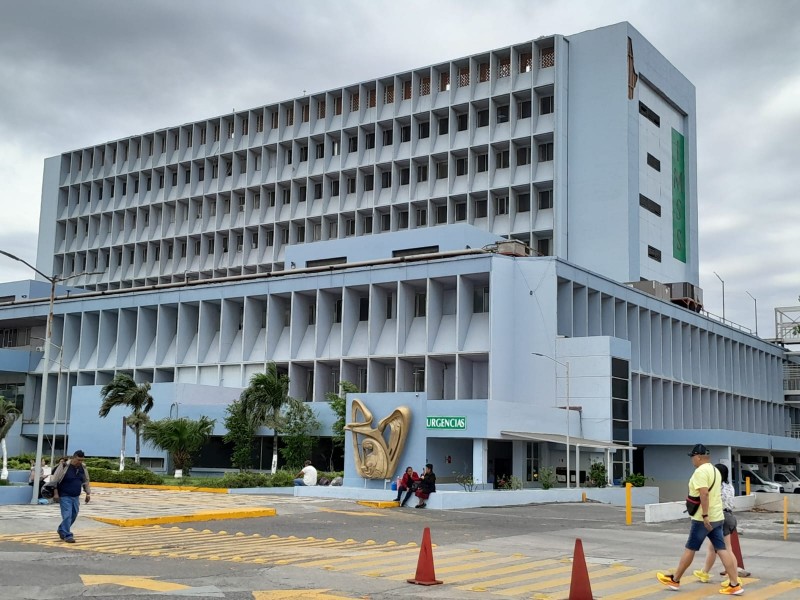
point(4, 482)
point(283, 479)
point(242, 480)
point(133, 476)
point(598, 476)
point(635, 479)
point(547, 477)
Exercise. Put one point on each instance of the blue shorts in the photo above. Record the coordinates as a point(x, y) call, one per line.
point(698, 533)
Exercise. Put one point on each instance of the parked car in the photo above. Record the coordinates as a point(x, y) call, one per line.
point(758, 484)
point(788, 481)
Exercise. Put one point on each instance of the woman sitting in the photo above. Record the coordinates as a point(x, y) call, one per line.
point(407, 484)
point(427, 486)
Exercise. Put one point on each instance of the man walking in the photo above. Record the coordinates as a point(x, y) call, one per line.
point(69, 478)
point(705, 485)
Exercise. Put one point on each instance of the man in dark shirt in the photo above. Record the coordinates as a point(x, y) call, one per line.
point(69, 478)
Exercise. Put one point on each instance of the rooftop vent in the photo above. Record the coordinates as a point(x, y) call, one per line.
point(512, 248)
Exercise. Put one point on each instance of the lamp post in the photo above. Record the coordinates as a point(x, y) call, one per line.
point(55, 412)
point(45, 373)
point(755, 309)
point(723, 295)
point(566, 366)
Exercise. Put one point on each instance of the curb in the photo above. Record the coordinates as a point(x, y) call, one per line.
point(166, 488)
point(211, 515)
point(378, 503)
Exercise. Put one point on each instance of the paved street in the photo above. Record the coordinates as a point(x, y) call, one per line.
point(337, 548)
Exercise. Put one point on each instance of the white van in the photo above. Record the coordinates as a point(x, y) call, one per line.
point(757, 484)
point(788, 481)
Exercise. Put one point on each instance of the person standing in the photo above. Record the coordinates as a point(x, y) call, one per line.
point(407, 485)
point(728, 527)
point(707, 522)
point(307, 475)
point(69, 479)
point(427, 486)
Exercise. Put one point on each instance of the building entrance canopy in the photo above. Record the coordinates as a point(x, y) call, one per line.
point(557, 438)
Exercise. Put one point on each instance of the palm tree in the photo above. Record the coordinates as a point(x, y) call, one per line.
point(9, 413)
point(123, 391)
point(263, 400)
point(180, 437)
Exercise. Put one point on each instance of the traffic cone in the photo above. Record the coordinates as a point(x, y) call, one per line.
point(737, 552)
point(579, 587)
point(425, 573)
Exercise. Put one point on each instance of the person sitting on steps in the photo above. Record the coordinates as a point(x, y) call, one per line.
point(427, 486)
point(407, 484)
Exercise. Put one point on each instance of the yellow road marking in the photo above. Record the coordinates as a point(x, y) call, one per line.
point(773, 590)
point(142, 583)
point(463, 561)
point(297, 595)
point(536, 574)
point(378, 503)
point(503, 570)
point(355, 513)
point(612, 570)
point(210, 515)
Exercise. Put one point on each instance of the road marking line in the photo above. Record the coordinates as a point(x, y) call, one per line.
point(772, 591)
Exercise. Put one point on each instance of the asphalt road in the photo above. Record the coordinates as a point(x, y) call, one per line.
point(354, 551)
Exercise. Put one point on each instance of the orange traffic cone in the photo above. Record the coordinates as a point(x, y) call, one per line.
point(425, 572)
point(579, 587)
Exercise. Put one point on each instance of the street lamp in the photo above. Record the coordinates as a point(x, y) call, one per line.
point(566, 366)
point(755, 309)
point(55, 412)
point(54, 279)
point(723, 295)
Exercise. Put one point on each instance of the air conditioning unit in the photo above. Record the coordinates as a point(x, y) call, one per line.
point(654, 288)
point(239, 247)
point(527, 68)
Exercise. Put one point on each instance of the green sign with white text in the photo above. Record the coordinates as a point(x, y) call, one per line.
point(446, 423)
point(678, 197)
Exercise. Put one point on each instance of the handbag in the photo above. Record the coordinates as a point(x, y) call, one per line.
point(693, 502)
point(48, 491)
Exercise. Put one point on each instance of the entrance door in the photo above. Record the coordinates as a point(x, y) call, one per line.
point(499, 458)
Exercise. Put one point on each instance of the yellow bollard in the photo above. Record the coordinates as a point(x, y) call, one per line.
point(746, 486)
point(628, 504)
point(786, 517)
point(583, 497)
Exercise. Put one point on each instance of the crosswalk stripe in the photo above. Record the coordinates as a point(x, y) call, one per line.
point(772, 591)
point(528, 566)
point(357, 563)
point(601, 573)
point(538, 574)
point(479, 560)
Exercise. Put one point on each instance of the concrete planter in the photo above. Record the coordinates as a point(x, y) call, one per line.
point(15, 494)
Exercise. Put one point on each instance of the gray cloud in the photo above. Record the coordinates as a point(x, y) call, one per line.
point(82, 72)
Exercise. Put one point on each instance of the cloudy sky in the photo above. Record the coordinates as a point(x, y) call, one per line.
point(77, 73)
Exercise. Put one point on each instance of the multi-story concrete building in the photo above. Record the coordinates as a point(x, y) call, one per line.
point(214, 247)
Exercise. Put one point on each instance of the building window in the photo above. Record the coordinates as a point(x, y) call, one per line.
point(321, 109)
point(461, 166)
point(290, 116)
point(653, 162)
point(403, 218)
point(523, 203)
point(646, 111)
point(404, 175)
point(303, 154)
point(422, 172)
point(388, 94)
point(654, 253)
point(525, 62)
point(647, 203)
point(386, 179)
point(334, 187)
point(504, 69)
point(351, 185)
point(269, 238)
point(317, 191)
point(548, 57)
point(387, 137)
point(337, 105)
point(424, 129)
point(312, 313)
point(245, 126)
point(425, 86)
point(546, 152)
point(543, 247)
point(502, 114)
point(443, 125)
point(274, 120)
point(334, 147)
point(320, 150)
point(405, 133)
point(420, 298)
point(407, 90)
point(367, 224)
point(483, 117)
point(305, 113)
point(441, 169)
point(545, 199)
point(482, 163)
point(480, 209)
point(259, 126)
point(502, 159)
point(462, 121)
point(352, 143)
point(287, 196)
point(484, 72)
point(480, 299)
point(369, 183)
point(422, 217)
point(386, 222)
point(354, 101)
point(363, 309)
point(546, 105)
point(463, 77)
point(461, 211)
point(333, 230)
point(441, 214)
point(524, 156)
point(501, 205)
point(372, 98)
point(301, 234)
point(370, 140)
point(444, 82)
point(337, 310)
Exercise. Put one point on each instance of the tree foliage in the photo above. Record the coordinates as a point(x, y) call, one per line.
point(9, 413)
point(263, 400)
point(182, 438)
point(299, 433)
point(123, 391)
point(339, 408)
point(240, 433)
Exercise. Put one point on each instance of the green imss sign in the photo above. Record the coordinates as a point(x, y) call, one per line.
point(446, 423)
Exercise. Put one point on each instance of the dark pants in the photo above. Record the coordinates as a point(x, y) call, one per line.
point(400, 491)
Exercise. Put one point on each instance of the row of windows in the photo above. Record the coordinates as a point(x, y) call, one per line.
point(464, 72)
